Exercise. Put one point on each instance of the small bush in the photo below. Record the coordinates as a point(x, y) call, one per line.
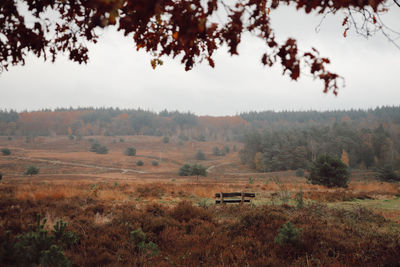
point(32, 170)
point(185, 211)
point(201, 138)
point(387, 174)
point(288, 234)
point(200, 155)
point(154, 163)
point(6, 151)
point(121, 140)
point(9, 138)
point(300, 172)
point(226, 149)
point(183, 137)
point(99, 149)
point(299, 199)
point(130, 151)
point(218, 152)
point(185, 170)
point(203, 203)
point(150, 191)
point(139, 238)
point(71, 137)
point(165, 140)
point(139, 163)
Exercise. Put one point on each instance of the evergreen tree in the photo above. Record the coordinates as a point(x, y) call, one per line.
point(329, 171)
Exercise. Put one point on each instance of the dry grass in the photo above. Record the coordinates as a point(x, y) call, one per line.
point(104, 205)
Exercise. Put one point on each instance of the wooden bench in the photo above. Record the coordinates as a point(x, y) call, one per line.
point(233, 194)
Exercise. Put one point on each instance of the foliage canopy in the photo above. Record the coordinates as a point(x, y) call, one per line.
point(329, 171)
point(185, 29)
point(195, 169)
point(32, 170)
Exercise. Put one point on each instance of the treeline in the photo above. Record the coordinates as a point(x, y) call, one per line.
point(383, 114)
point(273, 140)
point(293, 148)
point(115, 121)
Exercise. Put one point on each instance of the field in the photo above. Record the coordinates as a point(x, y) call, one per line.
point(107, 199)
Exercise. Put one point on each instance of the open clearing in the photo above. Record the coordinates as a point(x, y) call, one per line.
point(97, 193)
point(68, 163)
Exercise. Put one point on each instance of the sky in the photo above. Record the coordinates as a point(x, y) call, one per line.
point(119, 76)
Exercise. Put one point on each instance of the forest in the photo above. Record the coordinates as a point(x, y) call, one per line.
point(273, 141)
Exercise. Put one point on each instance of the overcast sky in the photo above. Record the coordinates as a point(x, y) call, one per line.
point(119, 76)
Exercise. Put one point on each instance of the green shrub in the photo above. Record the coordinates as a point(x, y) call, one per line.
point(195, 169)
point(121, 140)
point(139, 238)
point(200, 155)
point(37, 247)
point(288, 234)
point(216, 151)
point(185, 170)
point(300, 172)
point(329, 171)
point(154, 163)
point(226, 149)
point(203, 203)
point(99, 149)
point(299, 199)
point(165, 140)
point(32, 170)
point(6, 151)
point(387, 174)
point(219, 152)
point(201, 138)
point(183, 137)
point(139, 163)
point(9, 138)
point(130, 151)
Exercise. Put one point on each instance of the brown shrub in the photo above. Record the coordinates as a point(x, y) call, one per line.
point(187, 235)
point(152, 190)
point(185, 211)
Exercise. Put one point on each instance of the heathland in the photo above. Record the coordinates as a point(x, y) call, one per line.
point(113, 177)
